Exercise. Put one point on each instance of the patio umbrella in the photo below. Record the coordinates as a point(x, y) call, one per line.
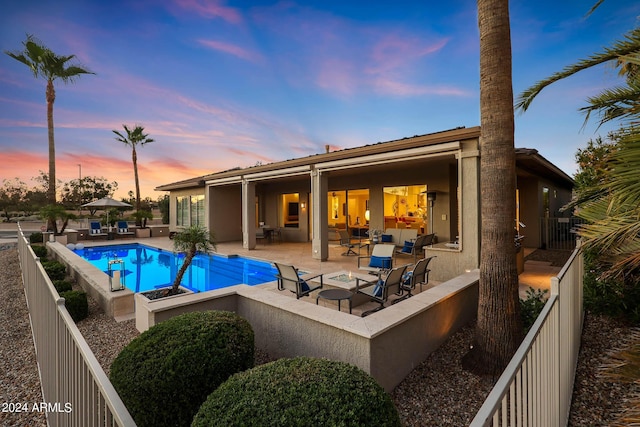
point(106, 203)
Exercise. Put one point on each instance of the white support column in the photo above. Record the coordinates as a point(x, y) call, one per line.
point(248, 214)
point(320, 242)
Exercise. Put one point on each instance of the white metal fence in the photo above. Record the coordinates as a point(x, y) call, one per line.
point(536, 387)
point(534, 390)
point(76, 390)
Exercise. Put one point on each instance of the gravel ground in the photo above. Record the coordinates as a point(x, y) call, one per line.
point(19, 380)
point(438, 392)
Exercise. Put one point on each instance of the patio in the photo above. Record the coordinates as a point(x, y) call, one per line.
point(536, 273)
point(286, 327)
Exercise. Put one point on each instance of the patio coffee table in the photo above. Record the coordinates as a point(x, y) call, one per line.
point(335, 295)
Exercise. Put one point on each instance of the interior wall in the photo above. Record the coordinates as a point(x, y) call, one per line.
point(274, 215)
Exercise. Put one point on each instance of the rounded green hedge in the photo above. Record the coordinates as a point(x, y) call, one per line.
point(36, 237)
point(40, 251)
point(299, 392)
point(62, 285)
point(76, 304)
point(165, 374)
point(55, 270)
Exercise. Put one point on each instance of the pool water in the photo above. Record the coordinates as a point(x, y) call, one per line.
point(147, 268)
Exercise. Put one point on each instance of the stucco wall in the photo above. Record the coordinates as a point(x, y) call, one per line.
point(225, 212)
point(387, 344)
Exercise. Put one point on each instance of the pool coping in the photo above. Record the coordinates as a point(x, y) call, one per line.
point(118, 304)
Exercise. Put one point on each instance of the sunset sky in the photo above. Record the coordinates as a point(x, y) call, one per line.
point(220, 84)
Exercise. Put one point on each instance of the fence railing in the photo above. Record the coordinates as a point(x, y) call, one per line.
point(76, 390)
point(559, 233)
point(536, 388)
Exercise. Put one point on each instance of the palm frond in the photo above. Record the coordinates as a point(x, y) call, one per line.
point(594, 7)
point(613, 210)
point(628, 46)
point(617, 103)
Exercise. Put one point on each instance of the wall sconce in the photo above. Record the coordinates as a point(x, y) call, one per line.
point(303, 205)
point(367, 215)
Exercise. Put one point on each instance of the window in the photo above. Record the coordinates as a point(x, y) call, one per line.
point(190, 210)
point(182, 211)
point(197, 210)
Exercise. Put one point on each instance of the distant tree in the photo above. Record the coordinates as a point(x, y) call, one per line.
point(33, 201)
point(46, 64)
point(12, 195)
point(163, 205)
point(134, 137)
point(78, 192)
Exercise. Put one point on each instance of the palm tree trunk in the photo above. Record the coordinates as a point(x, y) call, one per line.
point(51, 191)
point(187, 261)
point(134, 156)
point(51, 97)
point(499, 328)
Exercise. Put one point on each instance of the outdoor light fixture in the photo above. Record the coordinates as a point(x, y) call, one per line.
point(367, 215)
point(302, 205)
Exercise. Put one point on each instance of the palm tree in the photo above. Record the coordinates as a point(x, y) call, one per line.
point(191, 240)
point(628, 50)
point(611, 206)
point(46, 64)
point(134, 137)
point(499, 327)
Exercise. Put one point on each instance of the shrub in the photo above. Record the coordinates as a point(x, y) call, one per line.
point(36, 237)
point(40, 251)
point(76, 304)
point(618, 298)
point(55, 270)
point(165, 374)
point(299, 392)
point(62, 285)
point(531, 306)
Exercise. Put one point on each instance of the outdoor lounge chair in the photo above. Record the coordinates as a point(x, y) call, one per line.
point(416, 249)
point(418, 276)
point(123, 229)
point(345, 241)
point(379, 290)
point(289, 278)
point(95, 229)
point(381, 259)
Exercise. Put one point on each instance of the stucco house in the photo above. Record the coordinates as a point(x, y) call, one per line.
point(427, 183)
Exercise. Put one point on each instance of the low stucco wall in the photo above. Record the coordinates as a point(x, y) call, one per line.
point(388, 344)
point(94, 282)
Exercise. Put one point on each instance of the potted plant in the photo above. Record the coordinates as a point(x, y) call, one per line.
point(191, 240)
point(52, 213)
point(141, 218)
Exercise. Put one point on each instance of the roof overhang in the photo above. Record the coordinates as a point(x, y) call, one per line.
point(390, 157)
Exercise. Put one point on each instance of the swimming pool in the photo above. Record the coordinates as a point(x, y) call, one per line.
point(147, 268)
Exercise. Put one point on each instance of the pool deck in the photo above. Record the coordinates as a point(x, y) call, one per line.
point(536, 274)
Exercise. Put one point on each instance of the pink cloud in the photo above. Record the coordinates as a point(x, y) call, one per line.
point(337, 75)
point(211, 9)
point(394, 52)
point(391, 87)
point(232, 49)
